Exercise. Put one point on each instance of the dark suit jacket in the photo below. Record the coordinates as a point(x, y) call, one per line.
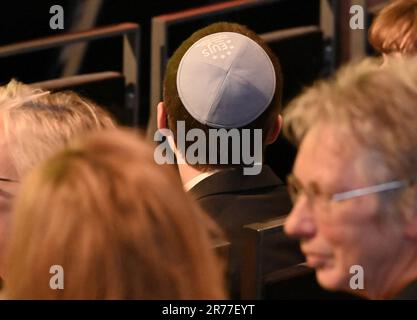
point(234, 200)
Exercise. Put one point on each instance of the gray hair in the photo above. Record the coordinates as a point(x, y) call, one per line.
point(376, 105)
point(37, 123)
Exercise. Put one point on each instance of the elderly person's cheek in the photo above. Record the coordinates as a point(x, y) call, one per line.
point(5, 210)
point(351, 232)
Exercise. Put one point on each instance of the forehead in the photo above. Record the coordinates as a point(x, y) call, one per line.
point(328, 156)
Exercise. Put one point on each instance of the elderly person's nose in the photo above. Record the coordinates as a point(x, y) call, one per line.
point(300, 222)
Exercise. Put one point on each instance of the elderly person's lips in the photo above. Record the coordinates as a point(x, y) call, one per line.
point(317, 260)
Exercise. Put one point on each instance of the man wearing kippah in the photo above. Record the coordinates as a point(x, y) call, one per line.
point(224, 83)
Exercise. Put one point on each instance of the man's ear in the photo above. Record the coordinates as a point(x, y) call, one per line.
point(273, 133)
point(161, 116)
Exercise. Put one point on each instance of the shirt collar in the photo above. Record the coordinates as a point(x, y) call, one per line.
point(190, 184)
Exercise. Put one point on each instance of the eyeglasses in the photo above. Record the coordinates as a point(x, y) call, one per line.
point(312, 191)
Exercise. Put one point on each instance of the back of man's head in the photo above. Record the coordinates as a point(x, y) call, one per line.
point(36, 123)
point(223, 76)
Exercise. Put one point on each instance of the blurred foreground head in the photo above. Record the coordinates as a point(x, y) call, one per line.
point(120, 226)
point(354, 179)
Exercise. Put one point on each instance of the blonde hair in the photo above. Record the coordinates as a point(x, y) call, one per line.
point(37, 123)
point(394, 29)
point(119, 225)
point(376, 106)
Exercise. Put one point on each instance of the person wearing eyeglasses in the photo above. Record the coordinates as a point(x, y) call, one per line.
point(353, 181)
point(33, 125)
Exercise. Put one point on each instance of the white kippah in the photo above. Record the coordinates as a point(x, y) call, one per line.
point(226, 80)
